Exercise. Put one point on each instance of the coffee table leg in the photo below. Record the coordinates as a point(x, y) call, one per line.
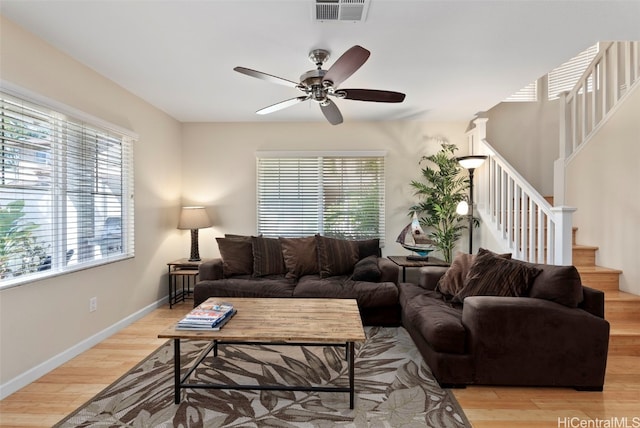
point(352, 352)
point(176, 368)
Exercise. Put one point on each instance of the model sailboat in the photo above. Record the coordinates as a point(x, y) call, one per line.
point(421, 245)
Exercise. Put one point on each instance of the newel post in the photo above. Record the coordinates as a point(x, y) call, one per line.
point(564, 150)
point(563, 231)
point(477, 135)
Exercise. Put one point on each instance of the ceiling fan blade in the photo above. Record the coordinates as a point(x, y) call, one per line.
point(372, 95)
point(281, 105)
point(267, 77)
point(346, 65)
point(331, 112)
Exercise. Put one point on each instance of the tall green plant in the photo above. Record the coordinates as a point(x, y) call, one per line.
point(441, 189)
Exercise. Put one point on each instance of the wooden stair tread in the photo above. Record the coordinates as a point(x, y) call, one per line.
point(620, 296)
point(625, 329)
point(585, 247)
point(597, 269)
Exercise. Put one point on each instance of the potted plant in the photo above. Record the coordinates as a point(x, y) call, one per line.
point(440, 191)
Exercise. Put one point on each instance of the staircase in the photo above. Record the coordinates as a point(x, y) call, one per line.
point(621, 309)
point(528, 225)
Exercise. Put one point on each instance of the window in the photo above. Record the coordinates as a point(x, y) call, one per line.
point(565, 77)
point(334, 194)
point(66, 199)
point(560, 79)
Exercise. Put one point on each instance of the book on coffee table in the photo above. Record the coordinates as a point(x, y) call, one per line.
point(207, 316)
point(191, 324)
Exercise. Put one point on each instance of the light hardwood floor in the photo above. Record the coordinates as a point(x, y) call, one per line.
point(49, 399)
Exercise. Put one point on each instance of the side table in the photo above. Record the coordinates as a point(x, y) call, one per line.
point(185, 273)
point(405, 263)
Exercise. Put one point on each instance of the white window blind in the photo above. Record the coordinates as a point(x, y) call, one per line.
point(66, 198)
point(559, 80)
point(334, 195)
point(565, 77)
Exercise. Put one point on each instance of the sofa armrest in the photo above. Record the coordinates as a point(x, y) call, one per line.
point(210, 270)
point(535, 341)
point(389, 271)
point(430, 275)
point(592, 301)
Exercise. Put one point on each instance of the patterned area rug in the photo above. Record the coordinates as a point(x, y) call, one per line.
point(394, 388)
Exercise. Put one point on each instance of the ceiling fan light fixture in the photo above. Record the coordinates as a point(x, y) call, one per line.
point(318, 85)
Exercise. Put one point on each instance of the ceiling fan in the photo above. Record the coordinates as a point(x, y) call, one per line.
point(318, 85)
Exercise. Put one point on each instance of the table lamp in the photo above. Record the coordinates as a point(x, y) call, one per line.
point(194, 218)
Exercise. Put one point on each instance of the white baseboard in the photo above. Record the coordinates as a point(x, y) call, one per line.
point(40, 370)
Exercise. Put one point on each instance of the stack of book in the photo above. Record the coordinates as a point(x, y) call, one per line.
point(209, 316)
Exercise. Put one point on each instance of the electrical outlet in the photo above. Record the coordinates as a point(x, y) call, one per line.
point(93, 304)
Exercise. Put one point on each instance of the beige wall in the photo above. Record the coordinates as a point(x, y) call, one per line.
point(526, 135)
point(43, 319)
point(219, 166)
point(602, 181)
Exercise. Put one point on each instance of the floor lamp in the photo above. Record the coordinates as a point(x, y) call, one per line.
point(470, 163)
point(194, 218)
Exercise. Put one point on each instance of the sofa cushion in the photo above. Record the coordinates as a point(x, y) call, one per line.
point(335, 256)
point(439, 323)
point(244, 286)
point(560, 284)
point(300, 256)
point(492, 275)
point(454, 278)
point(237, 256)
point(368, 294)
point(267, 257)
point(236, 236)
point(367, 269)
point(368, 247)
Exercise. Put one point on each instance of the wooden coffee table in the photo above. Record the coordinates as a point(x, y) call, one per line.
point(289, 321)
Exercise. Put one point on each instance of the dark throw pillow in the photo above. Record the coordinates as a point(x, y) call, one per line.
point(237, 256)
point(267, 257)
point(367, 270)
point(491, 275)
point(368, 247)
point(454, 278)
point(560, 284)
point(300, 256)
point(336, 256)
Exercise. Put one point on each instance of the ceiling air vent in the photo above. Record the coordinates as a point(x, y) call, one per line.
point(341, 10)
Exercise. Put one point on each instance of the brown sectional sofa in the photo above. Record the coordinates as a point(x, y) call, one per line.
point(484, 320)
point(307, 267)
point(551, 332)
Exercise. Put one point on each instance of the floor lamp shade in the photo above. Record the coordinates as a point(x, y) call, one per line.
point(194, 218)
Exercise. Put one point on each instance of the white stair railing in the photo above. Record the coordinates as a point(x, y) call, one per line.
point(517, 215)
point(605, 82)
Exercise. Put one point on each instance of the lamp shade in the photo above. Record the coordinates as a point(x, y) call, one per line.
point(194, 218)
point(471, 162)
point(462, 208)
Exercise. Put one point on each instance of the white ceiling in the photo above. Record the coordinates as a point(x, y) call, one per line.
point(452, 58)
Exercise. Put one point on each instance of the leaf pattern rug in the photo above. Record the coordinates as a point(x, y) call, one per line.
point(394, 388)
